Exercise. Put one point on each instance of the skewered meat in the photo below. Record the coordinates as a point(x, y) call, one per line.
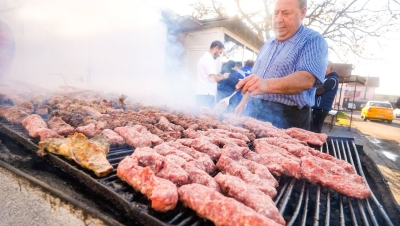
point(60, 126)
point(89, 130)
point(231, 167)
point(114, 138)
point(25, 106)
point(203, 145)
point(198, 159)
point(307, 136)
point(271, 153)
point(138, 136)
point(250, 196)
point(259, 128)
point(42, 109)
point(218, 137)
point(221, 210)
point(34, 121)
point(345, 165)
point(202, 160)
point(162, 193)
point(299, 149)
point(161, 166)
point(196, 175)
point(274, 167)
point(164, 135)
point(165, 125)
point(13, 114)
point(164, 149)
point(36, 127)
point(90, 154)
point(317, 170)
point(237, 153)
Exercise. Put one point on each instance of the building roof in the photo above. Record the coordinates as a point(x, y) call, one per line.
point(372, 81)
point(343, 70)
point(345, 76)
point(353, 79)
point(181, 24)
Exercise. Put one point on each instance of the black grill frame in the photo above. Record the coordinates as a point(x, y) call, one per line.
point(307, 196)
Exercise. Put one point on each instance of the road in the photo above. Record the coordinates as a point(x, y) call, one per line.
point(378, 129)
point(385, 142)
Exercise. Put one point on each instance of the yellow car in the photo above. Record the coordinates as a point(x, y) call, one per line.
point(378, 110)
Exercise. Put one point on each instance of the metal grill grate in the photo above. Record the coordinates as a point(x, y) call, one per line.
point(299, 202)
point(302, 203)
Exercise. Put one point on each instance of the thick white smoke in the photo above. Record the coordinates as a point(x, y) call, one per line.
point(118, 46)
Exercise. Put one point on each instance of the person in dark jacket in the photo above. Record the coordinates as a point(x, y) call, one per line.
point(227, 87)
point(325, 95)
point(248, 66)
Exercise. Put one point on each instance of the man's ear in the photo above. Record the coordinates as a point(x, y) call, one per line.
point(303, 13)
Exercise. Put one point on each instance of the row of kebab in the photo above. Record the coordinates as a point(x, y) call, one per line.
point(223, 167)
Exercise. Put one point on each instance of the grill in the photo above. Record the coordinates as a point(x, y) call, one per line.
point(299, 202)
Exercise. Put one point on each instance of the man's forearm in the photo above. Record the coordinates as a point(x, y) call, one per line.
point(292, 84)
point(218, 77)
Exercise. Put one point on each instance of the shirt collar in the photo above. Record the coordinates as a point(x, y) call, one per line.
point(291, 39)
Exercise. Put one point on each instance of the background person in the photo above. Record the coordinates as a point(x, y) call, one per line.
point(207, 77)
point(227, 86)
point(325, 95)
point(287, 70)
point(239, 65)
point(248, 66)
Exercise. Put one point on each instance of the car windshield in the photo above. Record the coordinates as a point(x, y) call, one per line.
point(377, 104)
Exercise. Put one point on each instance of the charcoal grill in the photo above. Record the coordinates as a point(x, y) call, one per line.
point(299, 202)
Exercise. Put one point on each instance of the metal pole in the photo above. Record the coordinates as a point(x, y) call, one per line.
point(354, 96)
point(340, 95)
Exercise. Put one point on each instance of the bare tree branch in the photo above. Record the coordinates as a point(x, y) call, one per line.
point(346, 25)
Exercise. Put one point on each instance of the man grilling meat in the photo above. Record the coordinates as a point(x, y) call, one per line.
point(287, 70)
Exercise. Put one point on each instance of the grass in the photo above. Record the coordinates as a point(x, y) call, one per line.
point(343, 119)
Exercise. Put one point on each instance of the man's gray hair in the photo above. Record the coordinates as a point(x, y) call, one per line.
point(303, 4)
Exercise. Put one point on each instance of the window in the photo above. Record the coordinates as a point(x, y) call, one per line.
point(233, 49)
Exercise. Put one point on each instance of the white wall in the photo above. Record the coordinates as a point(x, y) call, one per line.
point(197, 43)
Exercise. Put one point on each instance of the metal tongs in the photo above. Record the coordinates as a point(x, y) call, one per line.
point(223, 104)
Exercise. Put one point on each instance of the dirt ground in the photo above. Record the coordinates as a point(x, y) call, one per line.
point(381, 142)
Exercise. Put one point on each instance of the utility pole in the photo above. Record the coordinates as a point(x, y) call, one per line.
point(366, 88)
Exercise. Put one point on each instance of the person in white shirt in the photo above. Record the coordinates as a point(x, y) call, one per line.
point(207, 76)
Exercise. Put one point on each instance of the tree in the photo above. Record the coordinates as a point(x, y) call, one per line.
point(347, 25)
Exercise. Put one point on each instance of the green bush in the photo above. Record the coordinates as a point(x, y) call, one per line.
point(342, 115)
point(343, 119)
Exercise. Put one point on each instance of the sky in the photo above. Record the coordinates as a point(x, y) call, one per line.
point(385, 67)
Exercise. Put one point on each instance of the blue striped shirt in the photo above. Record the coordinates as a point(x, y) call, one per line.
point(307, 50)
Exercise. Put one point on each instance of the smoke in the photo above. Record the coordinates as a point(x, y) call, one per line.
point(119, 47)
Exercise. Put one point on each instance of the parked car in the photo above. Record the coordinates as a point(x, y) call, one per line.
point(378, 110)
point(396, 112)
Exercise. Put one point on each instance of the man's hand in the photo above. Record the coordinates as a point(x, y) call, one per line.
point(253, 84)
